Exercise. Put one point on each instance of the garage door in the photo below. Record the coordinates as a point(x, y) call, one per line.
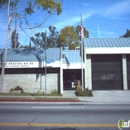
point(106, 72)
point(128, 70)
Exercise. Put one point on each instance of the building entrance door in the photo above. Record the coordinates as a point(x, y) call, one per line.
point(69, 77)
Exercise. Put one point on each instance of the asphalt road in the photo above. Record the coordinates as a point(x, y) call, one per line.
point(56, 116)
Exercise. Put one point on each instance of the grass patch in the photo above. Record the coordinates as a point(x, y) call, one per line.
point(37, 99)
point(29, 94)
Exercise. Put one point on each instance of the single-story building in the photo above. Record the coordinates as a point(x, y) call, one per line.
point(106, 66)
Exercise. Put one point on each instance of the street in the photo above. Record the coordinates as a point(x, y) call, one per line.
point(58, 116)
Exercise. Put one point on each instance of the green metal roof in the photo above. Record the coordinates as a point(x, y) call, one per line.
point(106, 42)
point(71, 56)
point(52, 54)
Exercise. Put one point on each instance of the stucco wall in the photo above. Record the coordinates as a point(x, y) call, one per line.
point(124, 72)
point(31, 82)
point(88, 72)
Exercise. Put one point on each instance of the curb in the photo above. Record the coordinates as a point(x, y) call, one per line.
point(36, 100)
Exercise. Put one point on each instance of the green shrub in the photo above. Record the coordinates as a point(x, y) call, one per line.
point(78, 92)
point(17, 88)
point(85, 92)
point(22, 91)
point(54, 91)
point(88, 92)
point(12, 89)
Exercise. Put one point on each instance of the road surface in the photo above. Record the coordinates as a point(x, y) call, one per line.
point(58, 116)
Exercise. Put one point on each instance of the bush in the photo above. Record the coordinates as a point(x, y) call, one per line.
point(17, 88)
point(78, 92)
point(54, 91)
point(22, 91)
point(85, 92)
point(12, 89)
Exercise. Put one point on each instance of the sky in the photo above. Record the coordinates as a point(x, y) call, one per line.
point(102, 18)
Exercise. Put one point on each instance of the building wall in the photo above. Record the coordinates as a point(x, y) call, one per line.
point(88, 72)
point(124, 72)
point(31, 82)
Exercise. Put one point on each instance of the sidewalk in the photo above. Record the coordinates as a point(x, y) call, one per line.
point(108, 97)
point(99, 97)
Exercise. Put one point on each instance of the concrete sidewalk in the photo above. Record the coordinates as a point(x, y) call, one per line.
point(99, 97)
point(108, 97)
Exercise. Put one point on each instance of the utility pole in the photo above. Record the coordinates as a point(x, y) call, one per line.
point(15, 43)
point(45, 62)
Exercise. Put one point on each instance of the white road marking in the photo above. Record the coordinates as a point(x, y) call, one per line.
point(57, 107)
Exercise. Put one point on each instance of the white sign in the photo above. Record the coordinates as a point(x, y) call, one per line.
point(21, 64)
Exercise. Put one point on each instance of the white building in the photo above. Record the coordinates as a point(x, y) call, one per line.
point(106, 66)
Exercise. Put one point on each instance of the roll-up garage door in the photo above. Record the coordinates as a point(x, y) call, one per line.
point(107, 72)
point(128, 70)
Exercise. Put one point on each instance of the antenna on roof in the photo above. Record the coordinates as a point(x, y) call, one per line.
point(98, 31)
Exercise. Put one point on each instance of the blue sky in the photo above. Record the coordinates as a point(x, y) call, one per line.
point(109, 17)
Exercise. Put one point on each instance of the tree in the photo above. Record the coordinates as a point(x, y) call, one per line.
point(47, 6)
point(52, 38)
point(29, 46)
point(3, 3)
point(68, 37)
point(127, 34)
point(14, 40)
point(39, 39)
